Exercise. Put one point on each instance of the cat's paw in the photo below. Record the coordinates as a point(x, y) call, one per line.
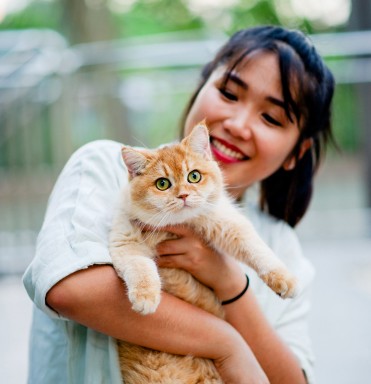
point(145, 296)
point(281, 282)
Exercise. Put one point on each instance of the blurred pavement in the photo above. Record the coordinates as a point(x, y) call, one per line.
point(335, 236)
point(341, 312)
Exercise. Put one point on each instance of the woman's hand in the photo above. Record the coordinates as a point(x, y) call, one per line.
point(221, 273)
point(241, 367)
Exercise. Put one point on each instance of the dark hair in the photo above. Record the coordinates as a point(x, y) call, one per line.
point(286, 194)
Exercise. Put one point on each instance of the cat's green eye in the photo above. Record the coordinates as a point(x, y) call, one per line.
point(163, 184)
point(194, 177)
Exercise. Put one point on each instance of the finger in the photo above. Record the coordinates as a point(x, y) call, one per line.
point(178, 230)
point(172, 247)
point(169, 261)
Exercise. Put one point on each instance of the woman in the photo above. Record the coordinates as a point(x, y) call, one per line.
point(266, 97)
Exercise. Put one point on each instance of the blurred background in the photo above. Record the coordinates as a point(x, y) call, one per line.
point(72, 71)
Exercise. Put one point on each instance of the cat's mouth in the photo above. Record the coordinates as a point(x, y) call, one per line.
point(226, 152)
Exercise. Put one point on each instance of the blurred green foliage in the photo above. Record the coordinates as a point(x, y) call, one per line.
point(243, 14)
point(148, 17)
point(38, 14)
point(346, 118)
point(151, 17)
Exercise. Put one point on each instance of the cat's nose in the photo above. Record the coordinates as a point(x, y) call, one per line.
point(183, 196)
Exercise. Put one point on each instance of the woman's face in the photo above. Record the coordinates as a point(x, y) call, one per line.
point(251, 136)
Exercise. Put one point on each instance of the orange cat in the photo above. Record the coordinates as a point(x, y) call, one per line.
point(180, 184)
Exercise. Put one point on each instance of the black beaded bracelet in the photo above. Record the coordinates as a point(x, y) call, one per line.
point(239, 295)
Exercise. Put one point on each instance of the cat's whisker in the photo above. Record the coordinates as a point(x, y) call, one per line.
point(209, 204)
point(152, 234)
point(164, 218)
point(143, 225)
point(157, 228)
point(142, 144)
point(148, 235)
point(234, 187)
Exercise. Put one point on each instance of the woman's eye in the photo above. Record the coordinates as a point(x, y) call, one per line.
point(194, 177)
point(228, 95)
point(271, 120)
point(163, 184)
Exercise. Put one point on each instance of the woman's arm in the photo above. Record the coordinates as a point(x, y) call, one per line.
point(96, 298)
point(225, 276)
point(275, 357)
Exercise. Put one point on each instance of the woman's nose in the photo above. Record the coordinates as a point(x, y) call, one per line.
point(239, 126)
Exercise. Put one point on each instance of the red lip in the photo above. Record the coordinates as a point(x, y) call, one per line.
point(222, 157)
point(230, 146)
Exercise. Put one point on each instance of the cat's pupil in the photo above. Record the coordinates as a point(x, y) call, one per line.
point(162, 184)
point(194, 176)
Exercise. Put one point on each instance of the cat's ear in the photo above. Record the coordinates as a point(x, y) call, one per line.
point(135, 160)
point(199, 140)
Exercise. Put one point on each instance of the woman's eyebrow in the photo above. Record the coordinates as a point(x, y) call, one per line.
point(281, 104)
point(275, 101)
point(237, 80)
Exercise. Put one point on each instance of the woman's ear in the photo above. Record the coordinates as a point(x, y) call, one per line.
point(290, 163)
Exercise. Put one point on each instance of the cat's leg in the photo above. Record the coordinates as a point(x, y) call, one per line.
point(233, 234)
point(134, 263)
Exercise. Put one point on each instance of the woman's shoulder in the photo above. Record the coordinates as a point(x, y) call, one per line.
point(98, 156)
point(99, 148)
point(268, 226)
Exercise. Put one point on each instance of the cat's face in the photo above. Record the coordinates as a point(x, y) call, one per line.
point(176, 183)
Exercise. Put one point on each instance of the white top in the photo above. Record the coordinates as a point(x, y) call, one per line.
point(74, 236)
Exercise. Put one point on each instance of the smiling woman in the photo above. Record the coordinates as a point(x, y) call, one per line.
point(247, 121)
point(266, 98)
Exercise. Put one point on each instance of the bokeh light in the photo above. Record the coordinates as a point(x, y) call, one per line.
point(327, 12)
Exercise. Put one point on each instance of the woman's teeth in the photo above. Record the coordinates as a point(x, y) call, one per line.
point(227, 151)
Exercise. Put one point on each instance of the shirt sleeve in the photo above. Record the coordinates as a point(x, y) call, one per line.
point(289, 317)
point(292, 323)
point(293, 329)
point(74, 234)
